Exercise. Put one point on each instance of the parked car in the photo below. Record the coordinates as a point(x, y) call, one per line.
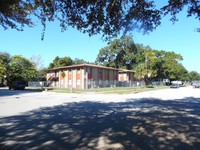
point(196, 85)
point(17, 85)
point(175, 85)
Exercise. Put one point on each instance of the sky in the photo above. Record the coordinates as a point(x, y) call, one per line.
point(180, 37)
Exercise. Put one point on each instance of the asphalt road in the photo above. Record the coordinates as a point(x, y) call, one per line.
point(164, 119)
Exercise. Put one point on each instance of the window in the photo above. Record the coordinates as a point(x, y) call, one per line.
point(89, 69)
point(107, 75)
point(62, 82)
point(70, 82)
point(100, 71)
point(100, 82)
point(78, 82)
point(100, 74)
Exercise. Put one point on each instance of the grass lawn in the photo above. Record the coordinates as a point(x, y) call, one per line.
point(110, 90)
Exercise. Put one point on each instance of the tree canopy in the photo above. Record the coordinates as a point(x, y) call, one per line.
point(4, 61)
point(148, 63)
point(21, 68)
point(108, 17)
point(17, 67)
point(65, 61)
point(194, 76)
point(60, 62)
point(120, 53)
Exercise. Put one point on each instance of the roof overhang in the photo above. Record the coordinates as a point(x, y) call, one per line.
point(82, 65)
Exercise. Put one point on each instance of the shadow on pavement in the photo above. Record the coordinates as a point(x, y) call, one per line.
point(6, 92)
point(136, 124)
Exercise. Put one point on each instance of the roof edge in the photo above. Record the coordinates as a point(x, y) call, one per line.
point(90, 65)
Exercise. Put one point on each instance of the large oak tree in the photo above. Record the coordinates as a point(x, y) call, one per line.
point(120, 53)
point(148, 63)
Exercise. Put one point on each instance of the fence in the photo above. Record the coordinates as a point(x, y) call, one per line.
point(96, 84)
point(37, 84)
point(90, 84)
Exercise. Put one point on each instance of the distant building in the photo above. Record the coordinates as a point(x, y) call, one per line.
point(126, 77)
point(85, 76)
point(82, 76)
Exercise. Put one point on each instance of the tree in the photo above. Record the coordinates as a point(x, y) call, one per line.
point(4, 62)
point(194, 76)
point(108, 17)
point(141, 72)
point(65, 61)
point(60, 62)
point(41, 74)
point(79, 61)
point(167, 65)
point(21, 68)
point(159, 65)
point(182, 73)
point(37, 61)
point(172, 65)
point(54, 63)
point(120, 53)
point(144, 66)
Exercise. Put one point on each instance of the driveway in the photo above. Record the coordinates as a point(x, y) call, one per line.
point(163, 119)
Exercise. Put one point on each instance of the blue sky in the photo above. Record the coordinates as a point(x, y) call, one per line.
point(180, 37)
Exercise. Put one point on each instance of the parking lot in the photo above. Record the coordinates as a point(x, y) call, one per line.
point(163, 119)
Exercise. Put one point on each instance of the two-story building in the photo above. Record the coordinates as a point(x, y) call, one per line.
point(126, 77)
point(82, 76)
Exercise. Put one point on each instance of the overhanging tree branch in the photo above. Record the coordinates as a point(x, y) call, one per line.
point(106, 17)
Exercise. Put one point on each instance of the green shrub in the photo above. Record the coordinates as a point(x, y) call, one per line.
point(150, 86)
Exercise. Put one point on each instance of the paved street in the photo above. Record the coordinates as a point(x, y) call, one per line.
point(163, 119)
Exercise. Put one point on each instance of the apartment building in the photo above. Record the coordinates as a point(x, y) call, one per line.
point(83, 76)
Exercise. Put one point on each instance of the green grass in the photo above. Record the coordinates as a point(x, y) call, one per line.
point(110, 90)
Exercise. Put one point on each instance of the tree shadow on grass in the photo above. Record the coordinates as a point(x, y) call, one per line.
point(135, 124)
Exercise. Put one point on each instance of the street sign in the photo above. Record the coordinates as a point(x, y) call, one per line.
point(63, 75)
